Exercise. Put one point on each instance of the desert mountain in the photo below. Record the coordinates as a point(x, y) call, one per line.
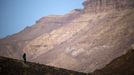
point(83, 40)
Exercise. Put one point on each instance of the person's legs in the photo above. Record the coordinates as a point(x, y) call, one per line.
point(25, 60)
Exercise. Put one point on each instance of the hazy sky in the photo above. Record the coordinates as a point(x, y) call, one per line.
point(15, 15)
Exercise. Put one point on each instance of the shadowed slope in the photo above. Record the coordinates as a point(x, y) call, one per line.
point(16, 67)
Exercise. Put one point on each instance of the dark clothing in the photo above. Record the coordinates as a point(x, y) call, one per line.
point(24, 57)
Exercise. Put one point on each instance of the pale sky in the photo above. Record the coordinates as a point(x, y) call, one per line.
point(15, 15)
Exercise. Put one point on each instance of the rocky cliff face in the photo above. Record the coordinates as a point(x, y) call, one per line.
point(82, 40)
point(104, 5)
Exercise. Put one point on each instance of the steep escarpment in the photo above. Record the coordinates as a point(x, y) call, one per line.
point(82, 40)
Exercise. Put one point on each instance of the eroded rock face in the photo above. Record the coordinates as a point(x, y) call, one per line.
point(80, 40)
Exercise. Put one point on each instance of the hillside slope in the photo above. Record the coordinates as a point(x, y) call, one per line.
point(87, 43)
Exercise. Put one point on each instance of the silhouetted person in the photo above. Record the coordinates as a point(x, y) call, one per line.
point(24, 57)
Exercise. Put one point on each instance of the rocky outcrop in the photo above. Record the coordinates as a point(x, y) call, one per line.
point(80, 40)
point(104, 5)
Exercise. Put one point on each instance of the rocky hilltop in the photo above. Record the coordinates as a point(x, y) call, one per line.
point(83, 40)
